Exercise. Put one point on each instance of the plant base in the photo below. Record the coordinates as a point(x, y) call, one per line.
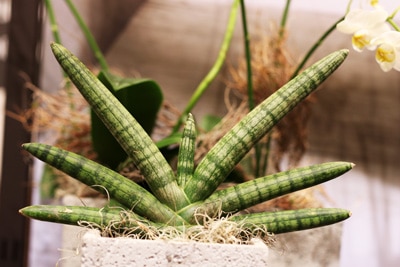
point(103, 251)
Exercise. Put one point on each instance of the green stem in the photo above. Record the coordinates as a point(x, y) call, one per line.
point(53, 22)
point(57, 38)
point(391, 21)
point(250, 90)
point(393, 24)
point(248, 56)
point(394, 12)
point(314, 47)
point(214, 69)
point(89, 36)
point(285, 16)
point(348, 6)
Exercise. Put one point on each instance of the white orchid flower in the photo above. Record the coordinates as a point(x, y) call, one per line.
point(364, 25)
point(388, 50)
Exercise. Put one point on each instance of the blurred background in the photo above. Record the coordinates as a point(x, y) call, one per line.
point(355, 116)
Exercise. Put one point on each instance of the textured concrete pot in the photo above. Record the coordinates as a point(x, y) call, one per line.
point(102, 251)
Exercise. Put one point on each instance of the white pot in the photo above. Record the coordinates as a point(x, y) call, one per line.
point(122, 251)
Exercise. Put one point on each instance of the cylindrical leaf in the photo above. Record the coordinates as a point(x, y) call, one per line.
point(293, 220)
point(247, 194)
point(101, 178)
point(114, 218)
point(128, 132)
point(224, 156)
point(186, 152)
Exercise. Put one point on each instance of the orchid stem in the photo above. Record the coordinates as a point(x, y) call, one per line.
point(53, 22)
point(250, 91)
point(204, 84)
point(394, 25)
point(284, 19)
point(89, 36)
point(53, 25)
point(248, 56)
point(314, 47)
point(57, 38)
point(391, 21)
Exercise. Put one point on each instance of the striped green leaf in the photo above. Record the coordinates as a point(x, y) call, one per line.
point(141, 97)
point(224, 156)
point(247, 194)
point(185, 166)
point(117, 218)
point(128, 132)
point(101, 178)
point(293, 220)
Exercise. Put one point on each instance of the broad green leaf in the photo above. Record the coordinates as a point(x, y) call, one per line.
point(141, 97)
point(48, 183)
point(174, 138)
point(209, 121)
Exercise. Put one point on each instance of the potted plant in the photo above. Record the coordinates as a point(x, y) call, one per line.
point(143, 98)
point(184, 201)
point(383, 59)
point(210, 207)
point(88, 138)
